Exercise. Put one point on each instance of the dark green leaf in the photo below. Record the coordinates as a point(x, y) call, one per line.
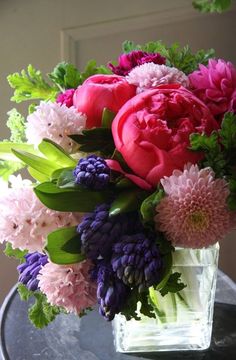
point(148, 206)
point(211, 6)
point(24, 292)
point(126, 201)
point(56, 153)
point(128, 46)
point(228, 132)
point(70, 199)
point(232, 197)
point(97, 139)
point(64, 246)
point(66, 76)
point(16, 253)
point(173, 284)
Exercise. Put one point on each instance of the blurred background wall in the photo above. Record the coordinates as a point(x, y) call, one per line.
point(44, 32)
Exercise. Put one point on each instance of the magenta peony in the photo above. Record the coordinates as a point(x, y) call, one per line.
point(152, 130)
point(194, 211)
point(24, 221)
point(215, 85)
point(66, 97)
point(99, 92)
point(151, 75)
point(127, 62)
point(68, 286)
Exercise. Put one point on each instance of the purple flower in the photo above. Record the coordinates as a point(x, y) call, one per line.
point(29, 270)
point(127, 62)
point(66, 97)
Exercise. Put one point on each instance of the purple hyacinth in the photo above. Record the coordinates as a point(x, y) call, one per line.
point(92, 172)
point(99, 231)
point(28, 271)
point(137, 261)
point(112, 293)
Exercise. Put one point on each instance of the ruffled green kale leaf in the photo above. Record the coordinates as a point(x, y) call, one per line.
point(16, 124)
point(173, 284)
point(30, 85)
point(228, 133)
point(16, 253)
point(211, 6)
point(132, 310)
point(66, 76)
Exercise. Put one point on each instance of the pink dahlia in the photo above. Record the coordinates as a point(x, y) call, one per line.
point(54, 121)
point(25, 222)
point(127, 62)
point(150, 75)
point(68, 286)
point(215, 85)
point(194, 211)
point(66, 97)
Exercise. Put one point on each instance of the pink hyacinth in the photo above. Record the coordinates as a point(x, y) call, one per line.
point(25, 222)
point(215, 85)
point(150, 75)
point(66, 97)
point(68, 286)
point(194, 212)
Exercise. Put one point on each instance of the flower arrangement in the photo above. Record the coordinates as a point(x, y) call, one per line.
point(127, 162)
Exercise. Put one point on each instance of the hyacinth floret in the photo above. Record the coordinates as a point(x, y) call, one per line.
point(137, 260)
point(99, 231)
point(112, 293)
point(92, 172)
point(29, 270)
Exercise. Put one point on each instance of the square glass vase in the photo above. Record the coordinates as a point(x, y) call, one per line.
point(183, 320)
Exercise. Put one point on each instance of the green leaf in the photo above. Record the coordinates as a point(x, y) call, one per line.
point(42, 313)
point(232, 197)
point(92, 69)
point(64, 246)
point(148, 206)
point(66, 76)
point(211, 6)
point(107, 118)
point(97, 139)
point(126, 201)
point(16, 124)
point(228, 132)
point(166, 271)
point(6, 150)
point(38, 163)
point(30, 85)
point(8, 168)
point(131, 308)
point(16, 253)
point(66, 179)
point(173, 284)
point(38, 175)
point(128, 46)
point(56, 153)
point(24, 292)
point(70, 199)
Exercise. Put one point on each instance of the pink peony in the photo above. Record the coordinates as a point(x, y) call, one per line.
point(68, 286)
point(66, 97)
point(194, 212)
point(55, 122)
point(151, 75)
point(127, 62)
point(215, 85)
point(152, 131)
point(25, 222)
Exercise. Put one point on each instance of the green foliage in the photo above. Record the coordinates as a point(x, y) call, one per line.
point(6, 150)
point(211, 148)
point(8, 168)
point(70, 199)
point(66, 179)
point(148, 206)
point(228, 133)
point(96, 139)
point(30, 85)
point(127, 201)
point(56, 153)
point(92, 69)
point(41, 313)
point(107, 118)
point(16, 253)
point(232, 197)
point(130, 310)
point(64, 246)
point(181, 58)
point(211, 6)
point(173, 284)
point(16, 124)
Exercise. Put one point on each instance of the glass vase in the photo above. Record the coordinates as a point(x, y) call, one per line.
point(183, 321)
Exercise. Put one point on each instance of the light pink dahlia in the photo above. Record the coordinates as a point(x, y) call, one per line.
point(194, 211)
point(150, 75)
point(215, 85)
point(54, 121)
point(25, 222)
point(68, 286)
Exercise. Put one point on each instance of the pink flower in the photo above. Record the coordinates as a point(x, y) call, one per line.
point(151, 75)
point(66, 97)
point(194, 212)
point(152, 130)
point(55, 122)
point(68, 286)
point(215, 85)
point(99, 92)
point(127, 62)
point(25, 222)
